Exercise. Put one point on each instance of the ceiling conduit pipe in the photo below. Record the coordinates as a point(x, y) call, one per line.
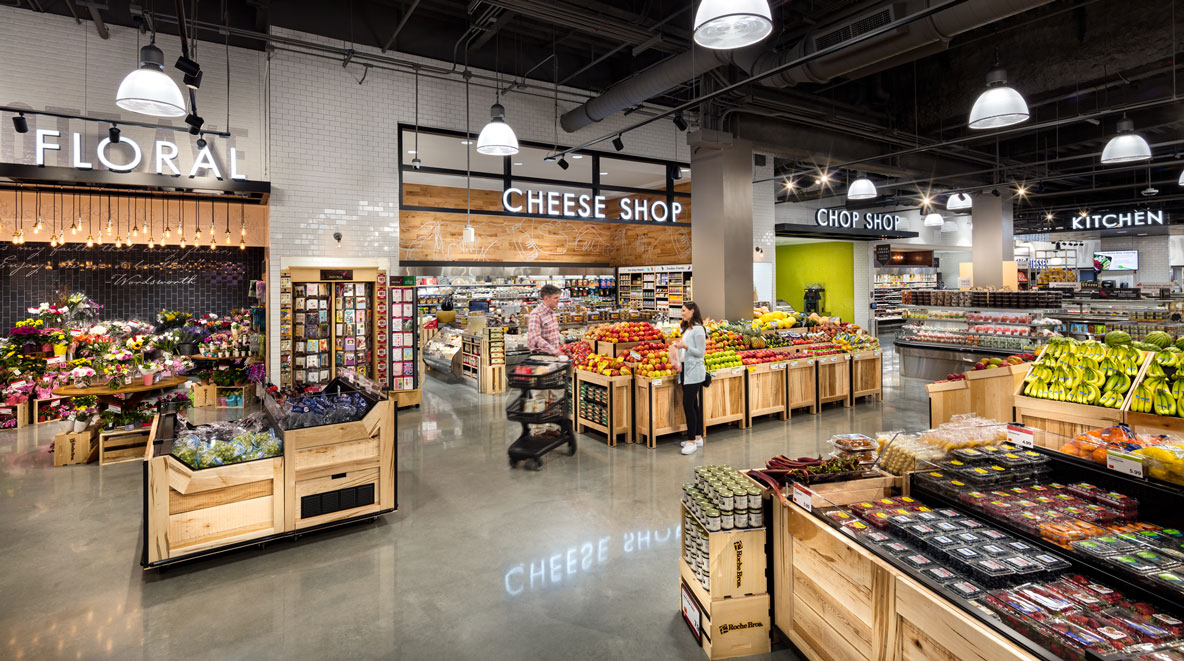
point(914, 40)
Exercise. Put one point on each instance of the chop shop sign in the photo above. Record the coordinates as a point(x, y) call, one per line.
point(854, 219)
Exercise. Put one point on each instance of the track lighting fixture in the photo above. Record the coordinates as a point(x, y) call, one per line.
point(201, 142)
point(148, 90)
point(20, 123)
point(675, 171)
point(618, 143)
point(497, 138)
point(192, 71)
point(195, 123)
point(680, 122)
point(562, 163)
point(113, 134)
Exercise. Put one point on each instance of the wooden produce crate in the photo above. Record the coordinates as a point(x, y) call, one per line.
point(39, 404)
point(801, 385)
point(492, 379)
point(614, 349)
point(76, 447)
point(617, 407)
point(992, 393)
point(867, 375)
point(657, 409)
point(834, 379)
point(1061, 421)
point(736, 560)
point(767, 391)
point(119, 445)
point(205, 395)
point(829, 494)
point(18, 411)
point(947, 399)
point(729, 628)
point(724, 401)
point(189, 511)
point(220, 393)
point(342, 471)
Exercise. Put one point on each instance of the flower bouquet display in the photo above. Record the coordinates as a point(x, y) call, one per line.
point(84, 411)
point(171, 319)
point(29, 335)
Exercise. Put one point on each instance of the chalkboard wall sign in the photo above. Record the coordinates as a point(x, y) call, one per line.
point(131, 283)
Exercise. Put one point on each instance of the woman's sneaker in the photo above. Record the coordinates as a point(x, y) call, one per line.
point(689, 447)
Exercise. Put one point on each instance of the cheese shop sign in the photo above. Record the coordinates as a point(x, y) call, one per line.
point(590, 207)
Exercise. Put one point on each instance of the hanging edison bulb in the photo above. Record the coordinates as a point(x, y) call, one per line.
point(16, 240)
point(21, 234)
point(99, 238)
point(227, 241)
point(75, 225)
point(53, 241)
point(118, 241)
point(109, 224)
point(242, 244)
point(151, 243)
point(213, 243)
point(197, 236)
point(183, 244)
point(37, 226)
point(90, 241)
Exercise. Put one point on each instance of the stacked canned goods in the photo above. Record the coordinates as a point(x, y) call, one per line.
point(696, 550)
point(723, 499)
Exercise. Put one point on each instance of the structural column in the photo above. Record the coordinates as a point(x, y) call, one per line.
point(991, 237)
point(721, 229)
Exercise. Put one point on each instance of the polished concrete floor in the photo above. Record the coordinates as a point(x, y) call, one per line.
point(480, 562)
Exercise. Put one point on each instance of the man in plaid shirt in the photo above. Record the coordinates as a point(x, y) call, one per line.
point(542, 332)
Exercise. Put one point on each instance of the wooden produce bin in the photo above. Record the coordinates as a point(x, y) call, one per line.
point(992, 393)
point(867, 375)
point(118, 445)
point(724, 401)
point(342, 471)
point(801, 385)
point(614, 349)
point(947, 399)
point(767, 391)
point(617, 406)
point(834, 379)
point(18, 411)
point(205, 395)
point(732, 617)
point(839, 602)
point(326, 476)
point(221, 392)
point(406, 398)
point(657, 409)
point(1064, 420)
point(39, 404)
point(71, 447)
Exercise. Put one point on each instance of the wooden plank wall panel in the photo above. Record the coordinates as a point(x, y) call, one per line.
point(435, 236)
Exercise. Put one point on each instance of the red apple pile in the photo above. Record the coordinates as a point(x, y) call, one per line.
point(577, 351)
point(826, 349)
point(626, 331)
point(758, 356)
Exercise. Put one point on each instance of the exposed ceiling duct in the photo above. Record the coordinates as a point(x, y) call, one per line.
point(909, 42)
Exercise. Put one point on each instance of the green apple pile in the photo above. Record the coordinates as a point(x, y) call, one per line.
point(1089, 372)
point(721, 359)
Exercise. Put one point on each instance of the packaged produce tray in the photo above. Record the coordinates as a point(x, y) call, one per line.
point(538, 374)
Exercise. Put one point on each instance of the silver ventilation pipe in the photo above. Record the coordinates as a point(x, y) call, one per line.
point(911, 41)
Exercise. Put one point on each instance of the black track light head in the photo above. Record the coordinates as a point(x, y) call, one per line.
point(192, 82)
point(562, 163)
point(195, 123)
point(680, 121)
point(113, 134)
point(675, 171)
point(201, 142)
point(618, 144)
point(20, 123)
point(187, 66)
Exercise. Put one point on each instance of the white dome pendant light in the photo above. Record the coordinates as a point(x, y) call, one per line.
point(728, 24)
point(497, 138)
point(1179, 182)
point(148, 90)
point(959, 202)
point(999, 105)
point(949, 226)
point(934, 220)
point(1127, 146)
point(862, 189)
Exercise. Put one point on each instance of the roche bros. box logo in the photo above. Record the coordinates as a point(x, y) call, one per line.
point(740, 626)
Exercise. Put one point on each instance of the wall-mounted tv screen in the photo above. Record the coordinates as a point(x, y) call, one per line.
point(1116, 260)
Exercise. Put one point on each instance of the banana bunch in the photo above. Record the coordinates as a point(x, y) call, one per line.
point(1154, 395)
point(1094, 374)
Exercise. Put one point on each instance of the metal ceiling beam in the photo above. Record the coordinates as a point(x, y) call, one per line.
point(501, 22)
point(402, 24)
point(93, 8)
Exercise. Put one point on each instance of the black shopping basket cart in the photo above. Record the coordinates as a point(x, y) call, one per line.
point(535, 374)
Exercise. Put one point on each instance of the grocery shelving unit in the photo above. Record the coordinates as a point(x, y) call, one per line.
point(654, 289)
point(887, 288)
point(1093, 318)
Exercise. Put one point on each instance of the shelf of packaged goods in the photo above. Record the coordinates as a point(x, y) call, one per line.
point(982, 308)
point(967, 321)
point(889, 318)
point(970, 348)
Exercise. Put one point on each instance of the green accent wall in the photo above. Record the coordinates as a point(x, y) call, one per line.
point(830, 263)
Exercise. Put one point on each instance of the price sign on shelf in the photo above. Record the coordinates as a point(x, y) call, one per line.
point(1128, 464)
point(656, 382)
point(778, 366)
point(803, 497)
point(752, 369)
point(1021, 436)
point(736, 371)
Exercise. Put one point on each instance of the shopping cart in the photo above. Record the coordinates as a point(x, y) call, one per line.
point(539, 374)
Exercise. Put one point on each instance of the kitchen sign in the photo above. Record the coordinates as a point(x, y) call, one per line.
point(1119, 220)
point(162, 159)
point(571, 205)
point(844, 218)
